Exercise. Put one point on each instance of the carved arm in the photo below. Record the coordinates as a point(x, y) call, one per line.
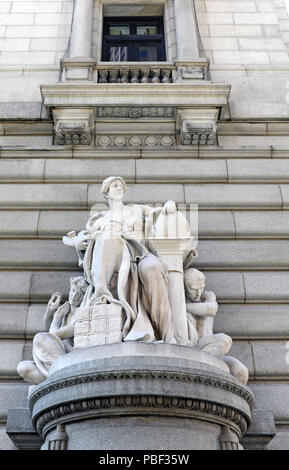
point(207, 308)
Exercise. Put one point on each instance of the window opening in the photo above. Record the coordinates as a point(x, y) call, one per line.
point(131, 39)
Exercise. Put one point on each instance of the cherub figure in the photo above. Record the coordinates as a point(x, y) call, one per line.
point(58, 339)
point(201, 311)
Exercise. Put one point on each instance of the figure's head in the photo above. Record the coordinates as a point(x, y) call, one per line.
point(78, 287)
point(114, 188)
point(194, 284)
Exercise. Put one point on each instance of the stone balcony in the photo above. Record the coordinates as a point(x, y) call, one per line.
point(178, 95)
point(89, 70)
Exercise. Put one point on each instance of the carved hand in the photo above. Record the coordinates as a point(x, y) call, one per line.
point(59, 315)
point(55, 301)
point(52, 306)
point(63, 310)
point(82, 240)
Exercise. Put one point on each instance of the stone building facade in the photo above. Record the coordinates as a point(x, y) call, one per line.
point(208, 124)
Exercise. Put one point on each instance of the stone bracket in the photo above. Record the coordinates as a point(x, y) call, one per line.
point(261, 431)
point(21, 431)
point(197, 126)
point(73, 126)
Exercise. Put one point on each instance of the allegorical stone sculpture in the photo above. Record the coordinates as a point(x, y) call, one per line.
point(138, 284)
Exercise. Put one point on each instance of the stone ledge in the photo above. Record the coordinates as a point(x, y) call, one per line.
point(63, 95)
point(176, 152)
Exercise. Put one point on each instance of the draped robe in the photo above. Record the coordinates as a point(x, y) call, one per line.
point(139, 282)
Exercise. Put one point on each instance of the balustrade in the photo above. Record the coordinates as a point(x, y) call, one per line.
point(135, 74)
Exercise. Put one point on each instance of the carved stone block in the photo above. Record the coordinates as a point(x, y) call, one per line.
point(99, 324)
point(198, 134)
point(72, 133)
point(197, 126)
point(73, 126)
point(191, 70)
point(192, 73)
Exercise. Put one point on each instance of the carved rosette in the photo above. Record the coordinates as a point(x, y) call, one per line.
point(138, 140)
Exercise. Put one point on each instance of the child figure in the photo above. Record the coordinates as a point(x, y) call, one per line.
point(201, 311)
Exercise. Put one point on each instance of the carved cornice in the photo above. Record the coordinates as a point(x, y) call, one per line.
point(171, 94)
point(142, 404)
point(197, 377)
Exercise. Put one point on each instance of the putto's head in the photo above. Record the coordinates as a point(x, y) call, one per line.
point(194, 284)
point(113, 188)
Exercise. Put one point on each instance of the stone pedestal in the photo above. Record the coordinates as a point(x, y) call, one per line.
point(140, 396)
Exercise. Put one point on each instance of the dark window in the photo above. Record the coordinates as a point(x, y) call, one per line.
point(133, 40)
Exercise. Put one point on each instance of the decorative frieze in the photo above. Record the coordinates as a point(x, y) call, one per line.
point(135, 112)
point(138, 140)
point(194, 376)
point(142, 405)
